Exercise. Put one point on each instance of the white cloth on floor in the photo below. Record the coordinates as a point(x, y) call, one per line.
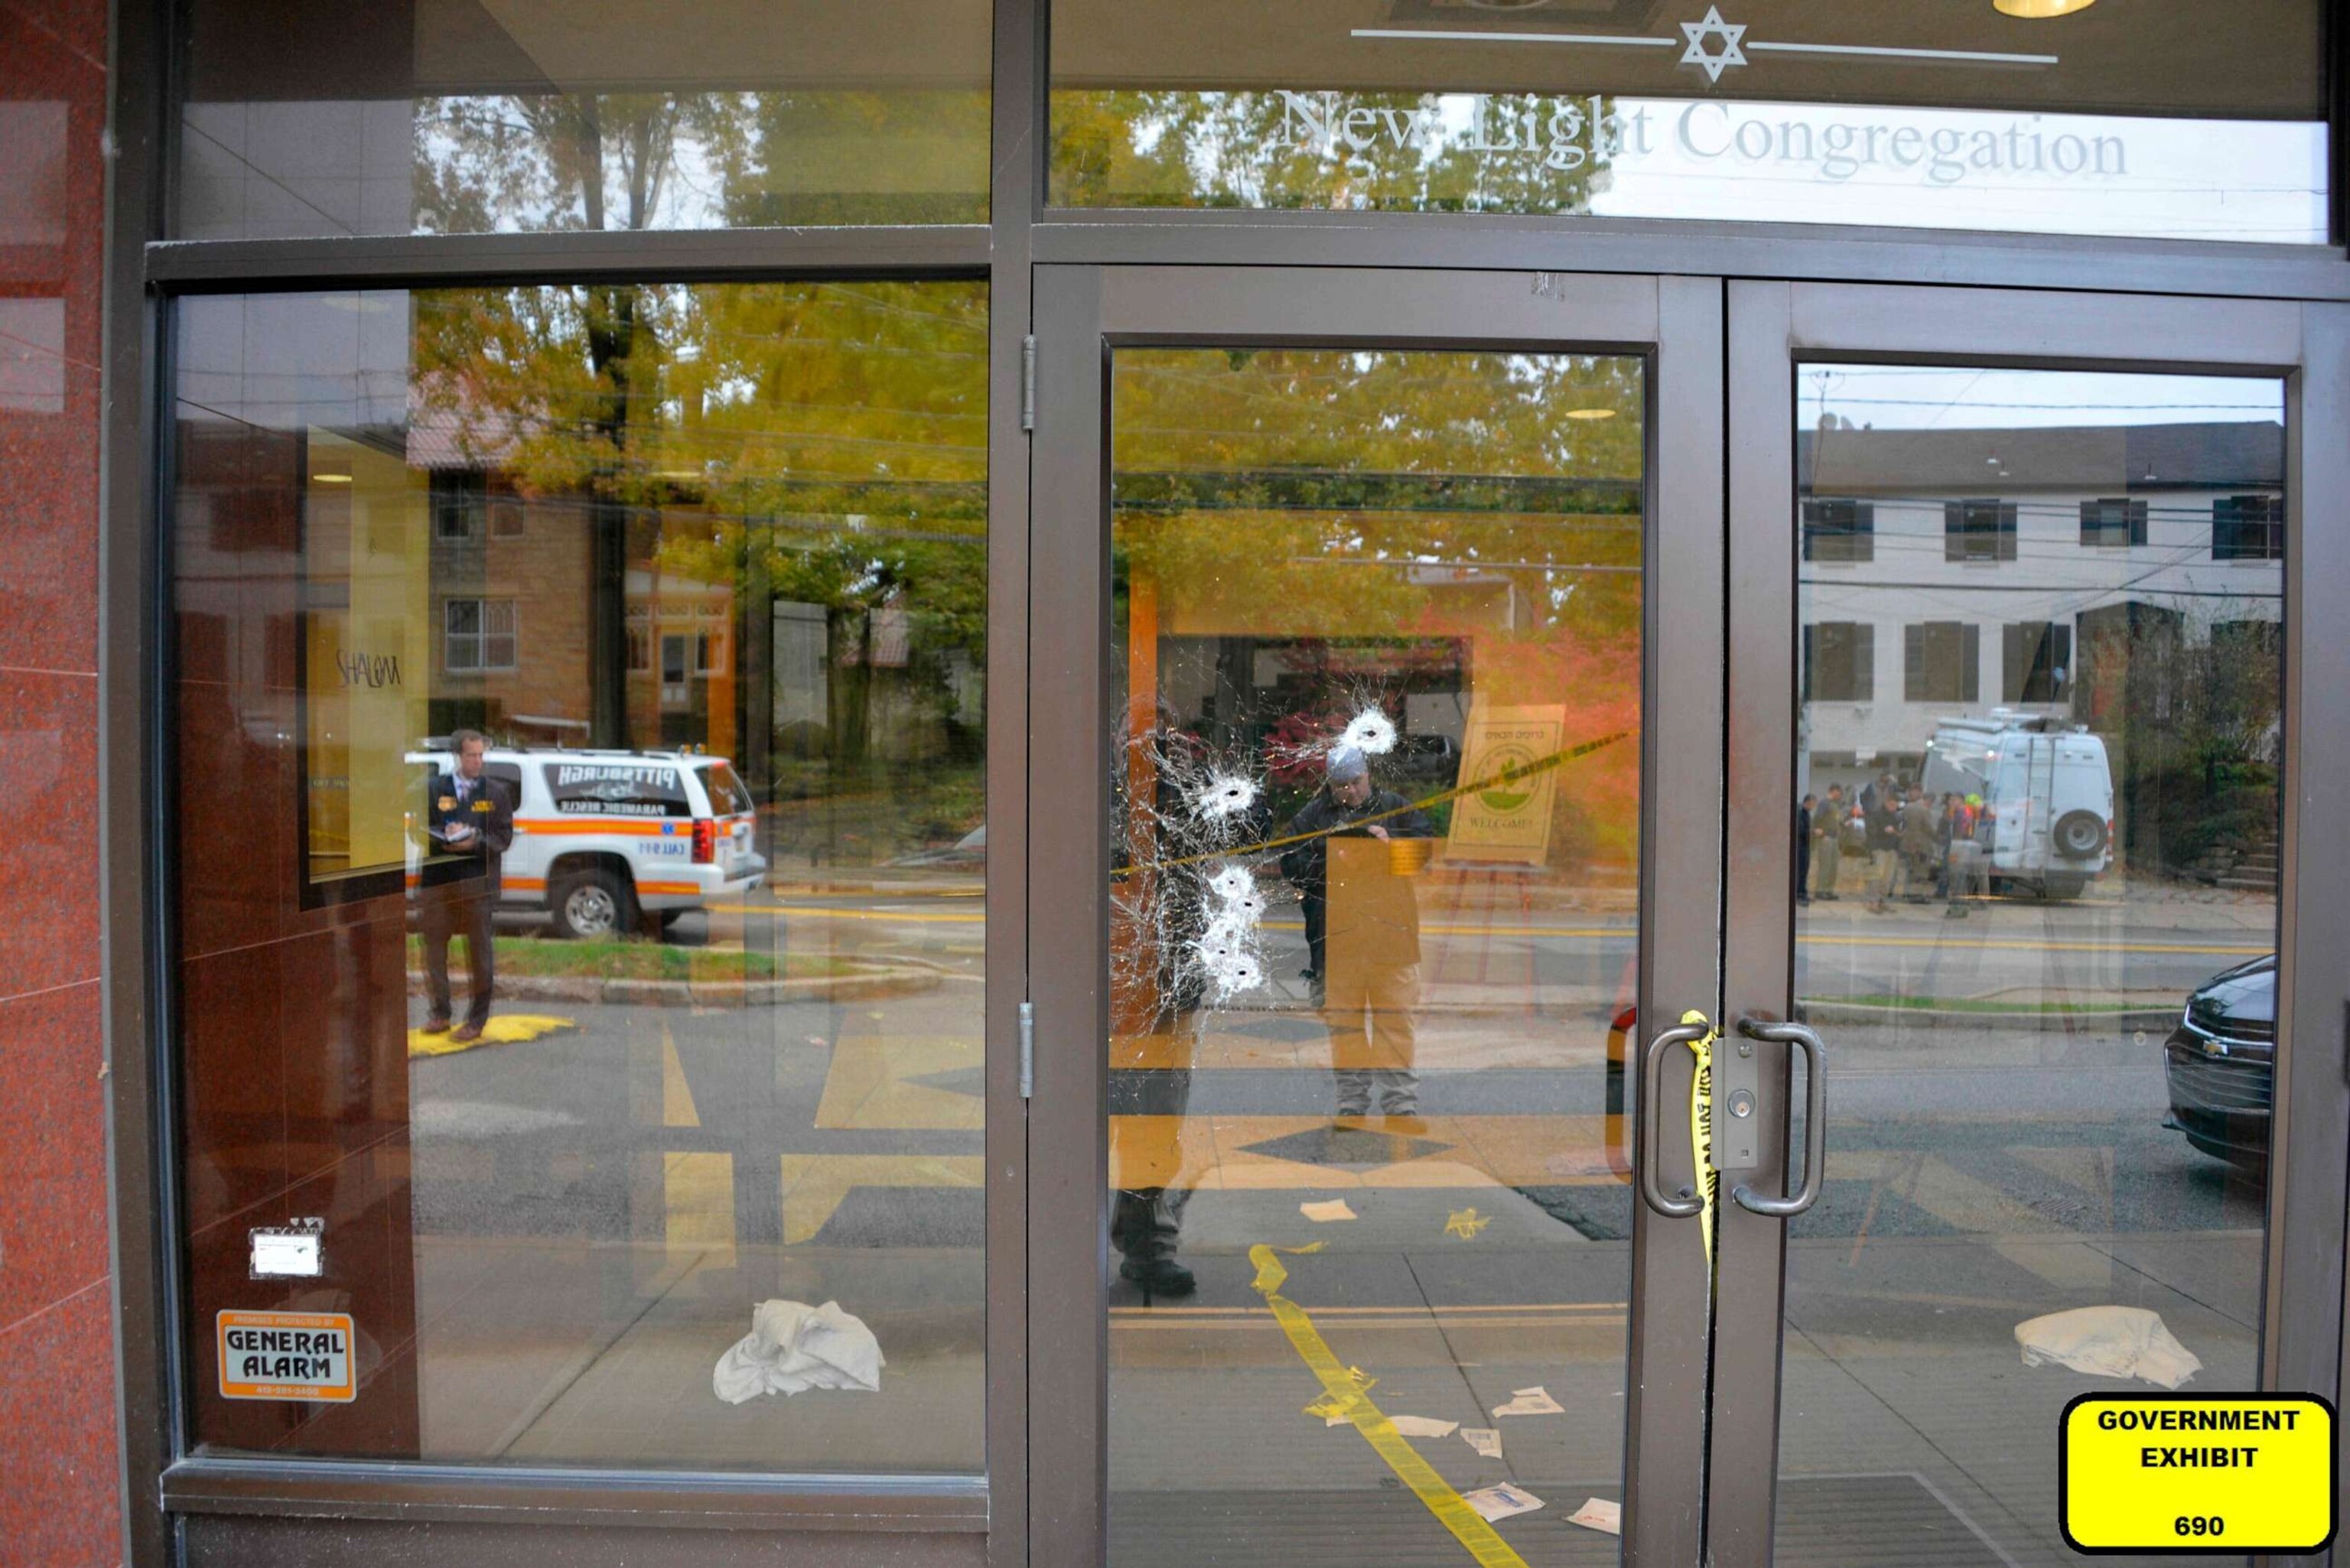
point(2110, 1342)
point(793, 1346)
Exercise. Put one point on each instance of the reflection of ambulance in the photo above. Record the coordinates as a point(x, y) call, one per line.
point(2047, 792)
point(601, 835)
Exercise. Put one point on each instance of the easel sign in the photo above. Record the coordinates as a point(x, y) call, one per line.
point(1508, 821)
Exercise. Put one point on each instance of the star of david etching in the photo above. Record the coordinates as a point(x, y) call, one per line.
point(1714, 61)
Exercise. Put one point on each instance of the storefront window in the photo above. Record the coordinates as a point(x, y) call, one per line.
point(2169, 118)
point(704, 570)
point(453, 117)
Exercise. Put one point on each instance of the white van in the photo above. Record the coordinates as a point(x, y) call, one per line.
point(601, 835)
point(2047, 794)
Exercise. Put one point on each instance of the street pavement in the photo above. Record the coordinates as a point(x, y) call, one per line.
point(598, 1210)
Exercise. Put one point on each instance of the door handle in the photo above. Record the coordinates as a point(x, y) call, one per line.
point(1652, 1121)
point(1815, 1118)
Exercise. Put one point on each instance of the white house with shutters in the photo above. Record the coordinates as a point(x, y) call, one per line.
point(1948, 572)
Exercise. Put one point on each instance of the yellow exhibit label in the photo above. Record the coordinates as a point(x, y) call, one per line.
point(2232, 1474)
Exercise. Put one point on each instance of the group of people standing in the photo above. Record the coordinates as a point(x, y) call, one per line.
point(1907, 844)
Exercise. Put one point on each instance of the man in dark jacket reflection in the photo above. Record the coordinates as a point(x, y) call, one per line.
point(471, 822)
point(1354, 872)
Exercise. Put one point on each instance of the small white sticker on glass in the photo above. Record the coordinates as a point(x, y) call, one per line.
point(290, 1253)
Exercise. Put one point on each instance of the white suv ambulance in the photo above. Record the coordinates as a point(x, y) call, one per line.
point(601, 835)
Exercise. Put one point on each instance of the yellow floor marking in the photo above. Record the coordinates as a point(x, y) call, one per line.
point(1516, 1323)
point(1446, 1505)
point(1510, 1310)
point(815, 1184)
point(2089, 1168)
point(1980, 1211)
point(1219, 1050)
point(1213, 1152)
point(867, 1084)
point(1963, 1202)
point(2067, 1265)
point(1455, 928)
point(677, 1094)
point(698, 1196)
point(502, 1029)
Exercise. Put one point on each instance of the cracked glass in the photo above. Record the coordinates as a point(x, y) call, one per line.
point(1374, 921)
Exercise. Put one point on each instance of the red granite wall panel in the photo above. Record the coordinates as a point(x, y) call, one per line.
point(59, 1494)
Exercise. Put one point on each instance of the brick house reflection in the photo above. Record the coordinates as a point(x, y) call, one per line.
point(514, 601)
point(720, 664)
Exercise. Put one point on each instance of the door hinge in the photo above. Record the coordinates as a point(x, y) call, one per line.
point(1027, 1050)
point(1028, 382)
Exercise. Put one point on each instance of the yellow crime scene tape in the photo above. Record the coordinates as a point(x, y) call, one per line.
point(1709, 1181)
point(1507, 776)
point(1344, 1394)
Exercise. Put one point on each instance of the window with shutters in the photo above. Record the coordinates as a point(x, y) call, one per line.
point(1979, 530)
point(2036, 665)
point(1840, 663)
point(1940, 661)
point(1839, 530)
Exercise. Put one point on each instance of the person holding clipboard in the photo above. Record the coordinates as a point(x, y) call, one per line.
point(472, 819)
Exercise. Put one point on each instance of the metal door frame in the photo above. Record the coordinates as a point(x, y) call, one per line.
point(1082, 314)
point(1773, 327)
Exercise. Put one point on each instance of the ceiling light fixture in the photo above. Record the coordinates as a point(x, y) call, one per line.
point(2037, 10)
point(330, 479)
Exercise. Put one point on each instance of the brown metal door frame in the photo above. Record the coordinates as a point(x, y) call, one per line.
point(1772, 328)
point(1082, 314)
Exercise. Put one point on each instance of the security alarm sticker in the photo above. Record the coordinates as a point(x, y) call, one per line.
point(286, 1356)
point(2240, 1474)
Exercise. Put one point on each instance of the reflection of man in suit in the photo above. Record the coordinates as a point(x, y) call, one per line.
point(471, 822)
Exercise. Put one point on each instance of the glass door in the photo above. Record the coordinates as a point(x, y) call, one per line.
point(1376, 827)
point(2019, 664)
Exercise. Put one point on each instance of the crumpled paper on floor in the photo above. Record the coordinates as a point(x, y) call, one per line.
point(2109, 1342)
point(792, 1347)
